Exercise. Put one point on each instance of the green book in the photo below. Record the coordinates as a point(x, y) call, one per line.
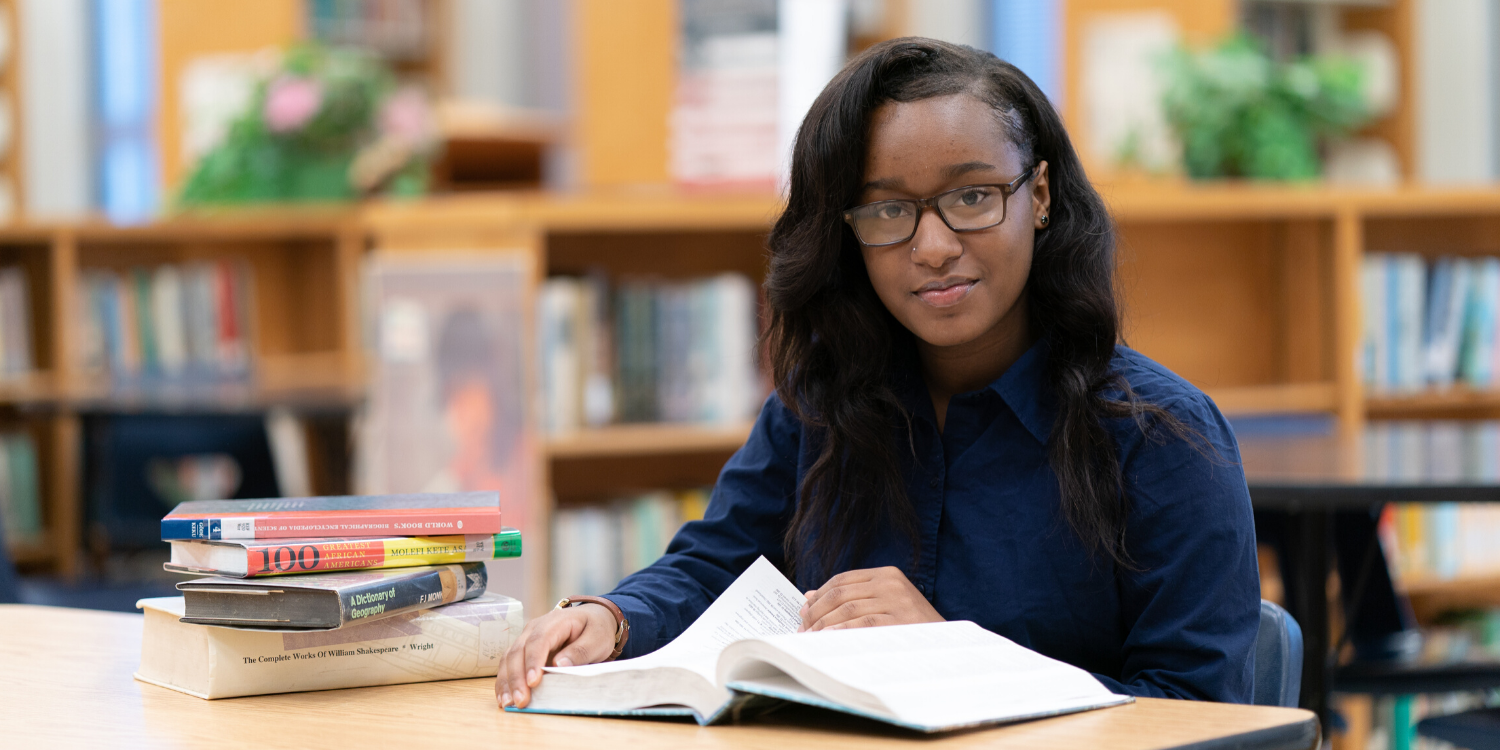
point(25, 517)
point(145, 322)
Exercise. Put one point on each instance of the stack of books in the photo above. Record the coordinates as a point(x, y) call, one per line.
point(330, 592)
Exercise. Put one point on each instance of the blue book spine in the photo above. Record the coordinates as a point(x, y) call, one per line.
point(191, 528)
point(1435, 322)
point(1392, 313)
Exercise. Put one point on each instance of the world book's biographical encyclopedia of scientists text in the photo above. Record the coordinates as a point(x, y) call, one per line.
point(341, 516)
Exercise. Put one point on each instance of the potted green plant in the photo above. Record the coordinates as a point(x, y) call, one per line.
point(1238, 113)
point(325, 125)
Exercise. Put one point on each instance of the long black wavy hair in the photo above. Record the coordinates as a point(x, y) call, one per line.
point(833, 347)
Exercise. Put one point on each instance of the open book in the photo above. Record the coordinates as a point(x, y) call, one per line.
point(931, 677)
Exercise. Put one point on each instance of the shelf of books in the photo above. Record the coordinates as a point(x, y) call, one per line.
point(1443, 556)
point(1430, 324)
point(243, 311)
point(646, 311)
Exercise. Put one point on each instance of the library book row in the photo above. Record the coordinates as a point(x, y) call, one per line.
point(20, 490)
point(648, 351)
point(286, 573)
point(594, 547)
point(167, 323)
point(1429, 324)
point(1437, 541)
point(1441, 541)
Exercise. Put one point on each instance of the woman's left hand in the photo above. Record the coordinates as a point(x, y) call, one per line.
point(864, 599)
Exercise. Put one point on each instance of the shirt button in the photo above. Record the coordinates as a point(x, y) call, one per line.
point(935, 482)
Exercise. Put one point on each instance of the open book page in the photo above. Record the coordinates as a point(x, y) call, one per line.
point(945, 674)
point(761, 602)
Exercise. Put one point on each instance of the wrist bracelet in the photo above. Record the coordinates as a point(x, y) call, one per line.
point(622, 625)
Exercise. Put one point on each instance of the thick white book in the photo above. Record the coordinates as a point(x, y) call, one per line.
point(455, 641)
point(930, 677)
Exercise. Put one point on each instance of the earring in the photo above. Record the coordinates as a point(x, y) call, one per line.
point(1044, 220)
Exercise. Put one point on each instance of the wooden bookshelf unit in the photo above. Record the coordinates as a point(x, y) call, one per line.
point(1248, 291)
point(303, 334)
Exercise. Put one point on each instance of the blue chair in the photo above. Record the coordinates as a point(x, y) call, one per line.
point(1278, 658)
point(9, 587)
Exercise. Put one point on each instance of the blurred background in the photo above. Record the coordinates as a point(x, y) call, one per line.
point(255, 248)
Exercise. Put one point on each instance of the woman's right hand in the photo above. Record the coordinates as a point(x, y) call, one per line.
point(561, 638)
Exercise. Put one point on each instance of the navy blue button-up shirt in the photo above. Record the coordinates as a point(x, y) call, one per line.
point(995, 548)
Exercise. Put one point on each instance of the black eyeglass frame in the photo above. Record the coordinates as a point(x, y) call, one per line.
point(1007, 189)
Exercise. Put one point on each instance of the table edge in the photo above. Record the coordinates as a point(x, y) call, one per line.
point(1299, 735)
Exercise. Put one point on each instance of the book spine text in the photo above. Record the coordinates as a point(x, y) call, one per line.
point(441, 585)
point(347, 523)
point(317, 557)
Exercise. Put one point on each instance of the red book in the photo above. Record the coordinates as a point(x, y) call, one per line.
point(342, 516)
point(231, 308)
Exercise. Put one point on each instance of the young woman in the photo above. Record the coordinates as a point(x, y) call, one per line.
point(956, 432)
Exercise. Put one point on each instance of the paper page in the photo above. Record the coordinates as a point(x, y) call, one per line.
point(761, 602)
point(947, 673)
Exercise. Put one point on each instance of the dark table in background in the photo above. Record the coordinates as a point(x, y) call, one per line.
point(1310, 477)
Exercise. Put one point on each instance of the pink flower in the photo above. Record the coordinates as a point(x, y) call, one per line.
point(291, 102)
point(405, 118)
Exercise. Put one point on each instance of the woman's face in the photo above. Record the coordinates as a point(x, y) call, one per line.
point(951, 289)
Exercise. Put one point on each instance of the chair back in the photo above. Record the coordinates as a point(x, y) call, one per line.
point(9, 587)
point(1278, 658)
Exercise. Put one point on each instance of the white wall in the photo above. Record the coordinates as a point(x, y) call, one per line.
point(957, 21)
point(55, 46)
point(1456, 123)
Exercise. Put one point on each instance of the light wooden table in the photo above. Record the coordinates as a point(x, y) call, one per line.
point(65, 681)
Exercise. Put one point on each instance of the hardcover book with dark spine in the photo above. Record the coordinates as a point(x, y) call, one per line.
point(274, 557)
point(340, 516)
point(325, 601)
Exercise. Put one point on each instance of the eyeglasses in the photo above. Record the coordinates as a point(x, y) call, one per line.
point(966, 209)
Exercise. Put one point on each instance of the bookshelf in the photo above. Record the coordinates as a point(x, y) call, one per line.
point(1205, 22)
point(1248, 291)
point(302, 325)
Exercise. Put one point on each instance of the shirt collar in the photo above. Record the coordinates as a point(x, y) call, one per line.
point(1023, 387)
point(1025, 390)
